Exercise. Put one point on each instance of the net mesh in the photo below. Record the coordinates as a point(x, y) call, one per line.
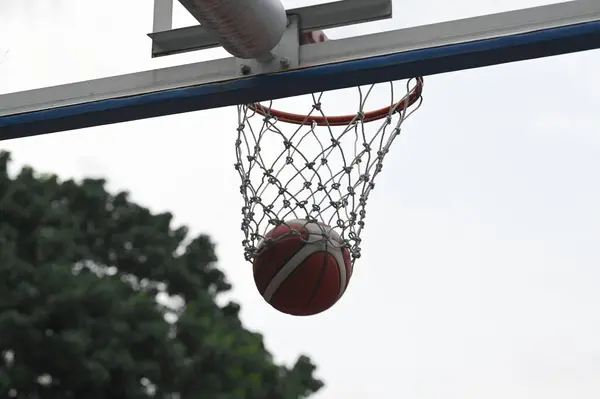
point(315, 167)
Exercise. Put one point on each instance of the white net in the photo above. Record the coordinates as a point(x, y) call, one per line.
point(315, 167)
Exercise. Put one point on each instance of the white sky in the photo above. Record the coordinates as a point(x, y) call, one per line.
point(481, 260)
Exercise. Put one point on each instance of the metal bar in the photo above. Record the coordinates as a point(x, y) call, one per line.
point(162, 20)
point(182, 40)
point(163, 15)
point(322, 16)
point(342, 13)
point(450, 46)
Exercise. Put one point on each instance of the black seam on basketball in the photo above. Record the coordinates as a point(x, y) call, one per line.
point(282, 264)
point(323, 270)
point(318, 284)
point(342, 285)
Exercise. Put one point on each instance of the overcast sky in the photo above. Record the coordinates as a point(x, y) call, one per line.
point(481, 260)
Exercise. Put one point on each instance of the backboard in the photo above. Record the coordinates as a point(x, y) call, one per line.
point(422, 50)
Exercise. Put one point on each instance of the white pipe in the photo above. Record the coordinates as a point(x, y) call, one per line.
point(248, 29)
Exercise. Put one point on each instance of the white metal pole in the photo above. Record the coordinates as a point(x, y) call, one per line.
point(247, 29)
point(163, 15)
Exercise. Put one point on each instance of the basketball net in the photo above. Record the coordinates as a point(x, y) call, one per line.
point(314, 166)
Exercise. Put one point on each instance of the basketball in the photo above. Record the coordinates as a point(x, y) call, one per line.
point(301, 267)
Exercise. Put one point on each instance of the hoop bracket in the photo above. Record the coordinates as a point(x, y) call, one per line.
point(285, 55)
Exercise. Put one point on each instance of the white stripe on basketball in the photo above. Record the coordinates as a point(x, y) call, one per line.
point(315, 244)
point(289, 267)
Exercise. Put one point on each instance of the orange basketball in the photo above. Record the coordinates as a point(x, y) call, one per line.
point(301, 268)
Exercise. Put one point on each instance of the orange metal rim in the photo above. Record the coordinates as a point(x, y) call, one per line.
point(342, 120)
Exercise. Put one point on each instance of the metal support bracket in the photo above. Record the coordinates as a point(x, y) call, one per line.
point(450, 46)
point(285, 56)
point(318, 17)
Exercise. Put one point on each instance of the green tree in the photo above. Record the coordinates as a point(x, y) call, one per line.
point(80, 269)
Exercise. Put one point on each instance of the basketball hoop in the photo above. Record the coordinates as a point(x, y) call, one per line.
point(315, 167)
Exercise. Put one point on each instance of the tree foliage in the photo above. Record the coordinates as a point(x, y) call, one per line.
point(80, 270)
